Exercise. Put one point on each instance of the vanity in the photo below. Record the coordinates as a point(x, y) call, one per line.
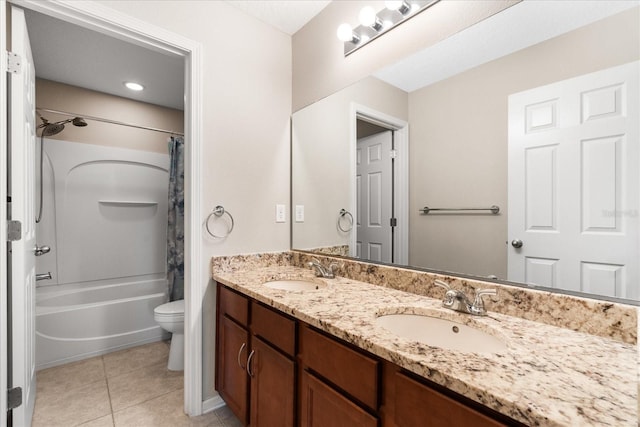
point(319, 356)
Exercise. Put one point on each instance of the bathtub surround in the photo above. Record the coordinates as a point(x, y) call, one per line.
point(549, 375)
point(105, 219)
point(175, 227)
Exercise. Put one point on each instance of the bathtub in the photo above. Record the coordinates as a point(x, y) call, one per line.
point(82, 320)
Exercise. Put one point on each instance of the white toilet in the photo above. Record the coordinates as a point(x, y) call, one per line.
point(170, 317)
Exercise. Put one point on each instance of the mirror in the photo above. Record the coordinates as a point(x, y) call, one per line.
point(454, 116)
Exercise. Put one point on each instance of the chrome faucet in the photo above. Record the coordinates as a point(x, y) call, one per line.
point(321, 270)
point(458, 301)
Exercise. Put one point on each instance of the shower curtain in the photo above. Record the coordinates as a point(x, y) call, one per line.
point(175, 228)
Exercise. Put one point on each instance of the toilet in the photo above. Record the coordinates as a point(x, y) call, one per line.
point(170, 317)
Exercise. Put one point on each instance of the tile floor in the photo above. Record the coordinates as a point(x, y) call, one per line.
point(128, 388)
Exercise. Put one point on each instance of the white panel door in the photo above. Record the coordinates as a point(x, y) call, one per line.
point(374, 199)
point(22, 190)
point(574, 186)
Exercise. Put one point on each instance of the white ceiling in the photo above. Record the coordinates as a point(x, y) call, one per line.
point(71, 54)
point(522, 25)
point(286, 15)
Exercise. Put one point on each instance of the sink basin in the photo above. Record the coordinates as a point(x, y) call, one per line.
point(294, 285)
point(441, 333)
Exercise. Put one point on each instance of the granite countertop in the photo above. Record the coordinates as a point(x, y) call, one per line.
point(548, 376)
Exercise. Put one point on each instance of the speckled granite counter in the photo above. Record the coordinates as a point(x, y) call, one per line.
point(549, 376)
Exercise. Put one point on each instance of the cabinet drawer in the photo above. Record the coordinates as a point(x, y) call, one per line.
point(320, 405)
point(352, 371)
point(233, 305)
point(274, 328)
point(416, 404)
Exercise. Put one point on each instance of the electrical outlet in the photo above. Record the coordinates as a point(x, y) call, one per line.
point(299, 213)
point(281, 215)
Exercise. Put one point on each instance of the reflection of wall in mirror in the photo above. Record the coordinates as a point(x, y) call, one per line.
point(458, 137)
point(321, 158)
point(319, 68)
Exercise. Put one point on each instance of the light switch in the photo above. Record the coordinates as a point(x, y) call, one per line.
point(281, 215)
point(299, 213)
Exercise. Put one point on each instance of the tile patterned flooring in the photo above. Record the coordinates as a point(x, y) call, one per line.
point(128, 388)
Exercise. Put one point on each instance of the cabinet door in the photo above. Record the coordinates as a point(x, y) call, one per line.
point(272, 386)
point(233, 342)
point(322, 406)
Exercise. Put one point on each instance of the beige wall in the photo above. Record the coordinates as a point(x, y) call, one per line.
point(246, 111)
point(458, 137)
point(319, 65)
point(62, 97)
point(321, 158)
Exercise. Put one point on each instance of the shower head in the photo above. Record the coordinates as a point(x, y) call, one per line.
point(79, 121)
point(51, 129)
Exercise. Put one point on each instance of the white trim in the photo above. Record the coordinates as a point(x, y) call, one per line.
point(112, 23)
point(212, 404)
point(4, 347)
point(401, 175)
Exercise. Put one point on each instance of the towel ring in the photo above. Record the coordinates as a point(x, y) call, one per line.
point(343, 213)
point(218, 212)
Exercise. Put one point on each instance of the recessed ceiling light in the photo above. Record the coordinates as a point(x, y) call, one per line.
point(134, 86)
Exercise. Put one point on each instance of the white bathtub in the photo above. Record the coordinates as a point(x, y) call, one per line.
point(82, 320)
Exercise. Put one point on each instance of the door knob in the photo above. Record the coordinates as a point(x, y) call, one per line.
point(517, 243)
point(41, 250)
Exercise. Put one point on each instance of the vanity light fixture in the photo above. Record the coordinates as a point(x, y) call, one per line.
point(368, 18)
point(346, 34)
point(400, 5)
point(372, 24)
point(134, 86)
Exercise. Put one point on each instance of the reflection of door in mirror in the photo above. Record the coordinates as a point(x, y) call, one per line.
point(574, 185)
point(374, 195)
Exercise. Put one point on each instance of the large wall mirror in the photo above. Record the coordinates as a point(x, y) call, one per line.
point(509, 151)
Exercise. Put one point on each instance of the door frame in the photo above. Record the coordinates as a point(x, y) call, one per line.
point(4, 346)
point(400, 175)
point(115, 24)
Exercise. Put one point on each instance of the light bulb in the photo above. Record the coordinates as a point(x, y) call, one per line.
point(367, 16)
point(134, 86)
point(345, 33)
point(400, 5)
point(393, 4)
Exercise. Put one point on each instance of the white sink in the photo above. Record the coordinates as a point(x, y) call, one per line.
point(294, 285)
point(441, 333)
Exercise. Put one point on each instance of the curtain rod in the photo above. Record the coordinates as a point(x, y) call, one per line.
point(113, 122)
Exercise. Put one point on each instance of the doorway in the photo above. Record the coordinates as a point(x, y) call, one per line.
point(113, 24)
point(374, 193)
point(380, 188)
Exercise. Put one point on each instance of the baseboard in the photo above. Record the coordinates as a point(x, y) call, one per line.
point(212, 404)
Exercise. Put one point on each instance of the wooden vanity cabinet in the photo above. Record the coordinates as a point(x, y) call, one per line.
point(255, 361)
point(273, 370)
point(232, 350)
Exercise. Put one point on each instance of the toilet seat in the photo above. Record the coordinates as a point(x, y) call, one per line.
point(170, 309)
